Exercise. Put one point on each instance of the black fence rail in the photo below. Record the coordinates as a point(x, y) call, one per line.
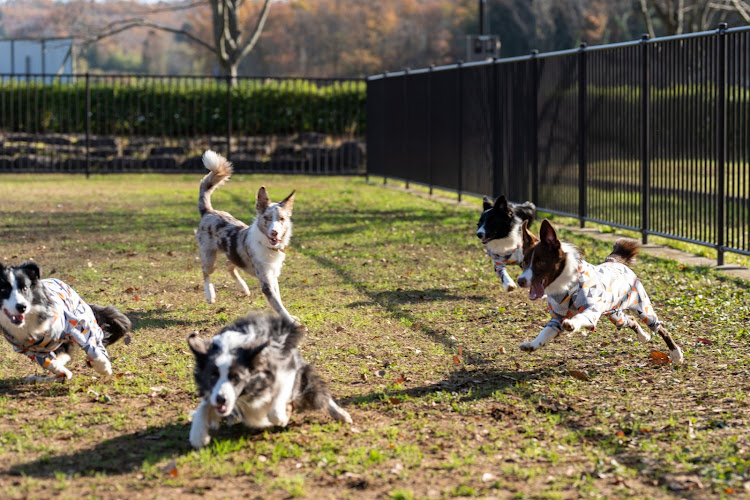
point(118, 123)
point(650, 135)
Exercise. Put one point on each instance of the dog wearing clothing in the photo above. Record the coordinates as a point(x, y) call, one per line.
point(579, 293)
point(499, 228)
point(42, 319)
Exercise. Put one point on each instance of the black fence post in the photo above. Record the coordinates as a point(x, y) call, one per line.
point(88, 125)
point(406, 123)
point(229, 116)
point(459, 128)
point(382, 132)
point(535, 127)
point(645, 136)
point(721, 141)
point(582, 133)
point(429, 125)
point(497, 161)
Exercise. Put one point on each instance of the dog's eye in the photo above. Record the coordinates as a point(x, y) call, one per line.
point(281, 219)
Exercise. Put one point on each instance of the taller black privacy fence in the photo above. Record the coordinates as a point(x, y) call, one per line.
point(651, 135)
point(118, 123)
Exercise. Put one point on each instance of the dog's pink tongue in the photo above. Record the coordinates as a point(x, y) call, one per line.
point(536, 291)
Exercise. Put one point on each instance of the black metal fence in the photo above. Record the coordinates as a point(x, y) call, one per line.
point(650, 135)
point(120, 123)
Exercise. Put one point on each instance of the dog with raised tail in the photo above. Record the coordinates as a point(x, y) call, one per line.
point(579, 293)
point(499, 229)
point(252, 371)
point(257, 249)
point(44, 318)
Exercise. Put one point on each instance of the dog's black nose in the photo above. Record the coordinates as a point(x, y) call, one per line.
point(21, 308)
point(220, 400)
point(521, 282)
point(480, 235)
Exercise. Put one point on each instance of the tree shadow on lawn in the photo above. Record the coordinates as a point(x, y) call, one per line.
point(333, 223)
point(391, 301)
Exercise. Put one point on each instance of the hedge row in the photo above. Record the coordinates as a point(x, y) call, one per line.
point(184, 106)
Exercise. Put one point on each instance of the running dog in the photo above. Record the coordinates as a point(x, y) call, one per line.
point(579, 293)
point(252, 371)
point(499, 228)
point(43, 318)
point(257, 249)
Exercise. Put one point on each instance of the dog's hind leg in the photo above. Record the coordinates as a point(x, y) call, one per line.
point(208, 265)
point(236, 275)
point(338, 413)
point(675, 353)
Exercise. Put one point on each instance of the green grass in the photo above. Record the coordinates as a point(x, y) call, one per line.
point(410, 328)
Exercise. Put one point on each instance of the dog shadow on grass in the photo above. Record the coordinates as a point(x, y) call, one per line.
point(128, 453)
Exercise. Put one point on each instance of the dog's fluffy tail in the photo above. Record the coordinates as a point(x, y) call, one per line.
point(313, 391)
point(525, 211)
point(624, 251)
point(114, 323)
point(220, 170)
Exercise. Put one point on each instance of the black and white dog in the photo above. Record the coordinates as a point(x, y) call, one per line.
point(500, 232)
point(252, 370)
point(257, 249)
point(42, 319)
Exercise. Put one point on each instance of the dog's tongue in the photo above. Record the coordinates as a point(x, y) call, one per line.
point(536, 291)
point(16, 319)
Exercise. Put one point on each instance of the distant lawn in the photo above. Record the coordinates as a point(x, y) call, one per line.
point(411, 329)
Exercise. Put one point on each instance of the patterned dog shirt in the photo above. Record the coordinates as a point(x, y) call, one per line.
point(514, 256)
point(608, 289)
point(72, 320)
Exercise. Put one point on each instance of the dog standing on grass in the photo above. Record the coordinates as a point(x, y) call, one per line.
point(43, 319)
point(579, 293)
point(257, 249)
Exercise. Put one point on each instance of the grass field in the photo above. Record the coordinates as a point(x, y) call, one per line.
point(411, 329)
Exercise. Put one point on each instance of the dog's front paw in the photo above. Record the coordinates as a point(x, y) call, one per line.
point(527, 347)
point(569, 325)
point(509, 286)
point(199, 436)
point(102, 366)
point(59, 370)
point(278, 417)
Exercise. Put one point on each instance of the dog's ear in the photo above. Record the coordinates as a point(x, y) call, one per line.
point(252, 357)
point(548, 235)
point(528, 237)
point(486, 203)
point(198, 345)
point(31, 269)
point(288, 202)
point(262, 201)
point(501, 203)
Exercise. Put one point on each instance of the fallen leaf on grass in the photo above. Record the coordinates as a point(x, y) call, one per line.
point(659, 358)
point(502, 350)
point(363, 376)
point(170, 468)
point(579, 375)
point(401, 379)
point(456, 360)
point(395, 401)
point(706, 341)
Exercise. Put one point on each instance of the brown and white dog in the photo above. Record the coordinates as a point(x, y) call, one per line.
point(579, 293)
point(257, 249)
